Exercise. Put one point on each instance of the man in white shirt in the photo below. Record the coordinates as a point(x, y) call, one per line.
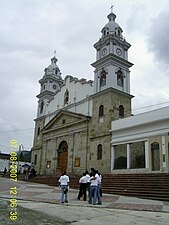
point(99, 189)
point(88, 182)
point(64, 182)
point(83, 185)
point(93, 188)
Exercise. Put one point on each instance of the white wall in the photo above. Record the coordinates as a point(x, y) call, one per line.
point(141, 126)
point(79, 90)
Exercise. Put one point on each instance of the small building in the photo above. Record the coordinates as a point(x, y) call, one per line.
point(4, 162)
point(140, 143)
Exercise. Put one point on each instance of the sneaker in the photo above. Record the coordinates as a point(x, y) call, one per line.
point(99, 203)
point(66, 201)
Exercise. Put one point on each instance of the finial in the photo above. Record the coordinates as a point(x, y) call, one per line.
point(111, 8)
point(54, 59)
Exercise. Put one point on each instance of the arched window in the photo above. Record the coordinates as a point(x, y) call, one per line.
point(120, 78)
point(99, 152)
point(35, 160)
point(66, 97)
point(121, 111)
point(101, 111)
point(38, 132)
point(63, 147)
point(103, 78)
point(41, 107)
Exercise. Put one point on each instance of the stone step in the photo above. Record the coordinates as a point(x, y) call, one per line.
point(151, 186)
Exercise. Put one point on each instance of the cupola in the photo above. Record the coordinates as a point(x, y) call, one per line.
point(53, 68)
point(112, 27)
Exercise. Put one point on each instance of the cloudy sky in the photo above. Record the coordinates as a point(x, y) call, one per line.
point(31, 30)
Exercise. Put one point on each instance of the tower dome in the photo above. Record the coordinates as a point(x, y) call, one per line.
point(112, 27)
point(53, 68)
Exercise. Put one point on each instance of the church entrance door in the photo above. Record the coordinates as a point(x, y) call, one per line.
point(62, 156)
point(155, 156)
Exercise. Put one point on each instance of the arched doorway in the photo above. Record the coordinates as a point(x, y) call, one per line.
point(155, 154)
point(62, 156)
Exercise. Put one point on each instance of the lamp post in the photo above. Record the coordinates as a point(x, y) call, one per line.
point(21, 148)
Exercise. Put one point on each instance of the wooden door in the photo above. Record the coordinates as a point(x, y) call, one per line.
point(62, 161)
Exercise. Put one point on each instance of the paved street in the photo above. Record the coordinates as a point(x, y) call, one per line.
point(40, 204)
point(26, 216)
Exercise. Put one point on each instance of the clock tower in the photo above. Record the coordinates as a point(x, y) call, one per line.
point(50, 84)
point(112, 65)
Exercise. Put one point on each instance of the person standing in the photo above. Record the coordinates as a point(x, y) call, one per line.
point(88, 182)
point(99, 189)
point(93, 188)
point(27, 175)
point(5, 170)
point(83, 185)
point(64, 183)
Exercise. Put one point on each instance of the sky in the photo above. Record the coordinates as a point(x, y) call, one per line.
point(31, 30)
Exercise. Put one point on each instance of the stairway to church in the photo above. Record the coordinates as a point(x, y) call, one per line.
point(149, 186)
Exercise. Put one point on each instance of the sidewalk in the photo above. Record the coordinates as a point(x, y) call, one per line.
point(47, 194)
point(40, 204)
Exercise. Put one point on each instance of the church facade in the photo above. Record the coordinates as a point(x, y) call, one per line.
point(72, 128)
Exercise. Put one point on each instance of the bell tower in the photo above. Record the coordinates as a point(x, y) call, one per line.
point(50, 84)
point(112, 65)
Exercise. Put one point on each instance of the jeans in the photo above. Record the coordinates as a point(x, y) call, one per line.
point(93, 192)
point(99, 193)
point(63, 196)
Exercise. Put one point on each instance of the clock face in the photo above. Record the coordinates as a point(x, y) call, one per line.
point(118, 51)
point(104, 51)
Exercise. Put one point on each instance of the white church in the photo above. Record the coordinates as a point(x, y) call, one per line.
point(89, 123)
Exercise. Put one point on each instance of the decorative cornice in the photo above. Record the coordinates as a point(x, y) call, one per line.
point(110, 89)
point(46, 93)
point(112, 38)
point(114, 58)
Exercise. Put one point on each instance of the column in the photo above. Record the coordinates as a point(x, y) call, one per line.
point(164, 151)
point(112, 158)
point(128, 156)
point(147, 158)
point(96, 78)
point(97, 54)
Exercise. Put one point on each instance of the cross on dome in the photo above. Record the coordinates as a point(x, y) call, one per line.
point(111, 8)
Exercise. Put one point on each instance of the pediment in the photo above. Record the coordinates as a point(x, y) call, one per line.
point(64, 119)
